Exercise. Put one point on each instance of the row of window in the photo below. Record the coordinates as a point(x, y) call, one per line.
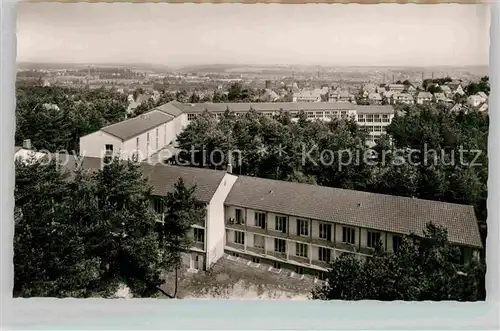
point(137, 140)
point(302, 250)
point(325, 230)
point(348, 237)
point(373, 118)
point(309, 114)
point(376, 128)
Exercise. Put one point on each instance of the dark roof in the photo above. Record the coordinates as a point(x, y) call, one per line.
point(369, 210)
point(130, 128)
point(375, 109)
point(172, 108)
point(164, 177)
point(276, 106)
point(161, 177)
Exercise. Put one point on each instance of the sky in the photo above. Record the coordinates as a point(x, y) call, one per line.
point(314, 34)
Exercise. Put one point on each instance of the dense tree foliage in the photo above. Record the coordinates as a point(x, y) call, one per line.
point(423, 268)
point(432, 153)
point(83, 234)
point(482, 86)
point(54, 118)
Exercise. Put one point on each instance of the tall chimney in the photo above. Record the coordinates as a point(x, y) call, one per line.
point(27, 143)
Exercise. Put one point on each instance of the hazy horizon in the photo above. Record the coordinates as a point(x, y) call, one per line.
point(180, 35)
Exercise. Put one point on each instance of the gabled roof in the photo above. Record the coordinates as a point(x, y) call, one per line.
point(161, 177)
point(164, 177)
point(369, 210)
point(172, 108)
point(424, 95)
point(133, 127)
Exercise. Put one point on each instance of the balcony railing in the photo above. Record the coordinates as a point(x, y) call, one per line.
point(255, 229)
point(235, 224)
point(321, 264)
point(278, 255)
point(235, 245)
point(258, 250)
point(299, 259)
point(276, 233)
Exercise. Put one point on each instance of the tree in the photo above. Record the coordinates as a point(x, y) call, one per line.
point(182, 210)
point(49, 249)
point(423, 268)
point(82, 234)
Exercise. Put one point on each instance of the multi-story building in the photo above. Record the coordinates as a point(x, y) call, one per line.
point(140, 137)
point(402, 98)
point(295, 226)
point(396, 88)
point(304, 227)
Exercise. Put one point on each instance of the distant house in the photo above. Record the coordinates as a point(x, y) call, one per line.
point(370, 88)
point(483, 107)
point(403, 98)
point(446, 90)
point(339, 95)
point(411, 89)
point(307, 96)
point(375, 98)
point(455, 87)
point(424, 97)
point(483, 96)
point(474, 100)
point(396, 87)
point(381, 89)
point(270, 96)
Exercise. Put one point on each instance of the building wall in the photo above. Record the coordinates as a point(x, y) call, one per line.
point(215, 225)
point(166, 134)
point(94, 144)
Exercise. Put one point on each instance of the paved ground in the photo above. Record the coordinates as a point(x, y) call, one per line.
point(230, 279)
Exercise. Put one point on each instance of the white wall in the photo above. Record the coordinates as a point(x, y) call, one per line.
point(215, 227)
point(94, 144)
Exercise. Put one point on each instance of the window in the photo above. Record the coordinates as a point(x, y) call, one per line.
point(191, 117)
point(255, 260)
point(377, 128)
point(279, 245)
point(299, 270)
point(109, 148)
point(396, 242)
point(324, 254)
point(319, 114)
point(325, 231)
point(369, 118)
point(277, 265)
point(301, 249)
point(348, 235)
point(156, 138)
point(239, 237)
point(158, 206)
point(199, 235)
point(302, 227)
point(385, 118)
point(310, 114)
point(321, 275)
point(281, 224)
point(258, 241)
point(239, 216)
point(260, 220)
point(376, 118)
point(361, 118)
point(373, 239)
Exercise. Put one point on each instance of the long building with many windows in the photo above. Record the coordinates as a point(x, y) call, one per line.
point(300, 227)
point(151, 132)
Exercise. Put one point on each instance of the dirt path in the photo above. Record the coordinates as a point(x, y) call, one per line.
point(241, 280)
